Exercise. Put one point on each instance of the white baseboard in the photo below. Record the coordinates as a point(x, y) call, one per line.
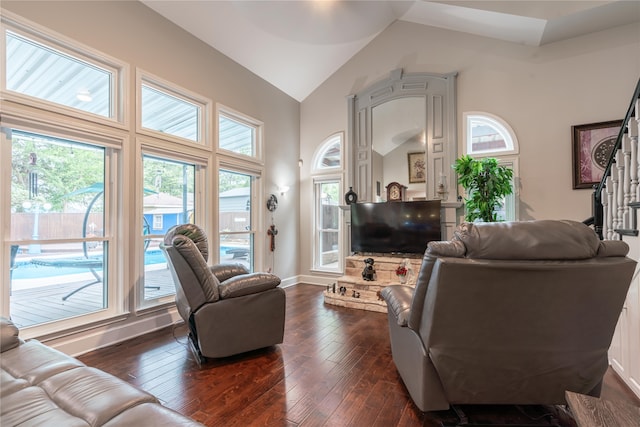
point(113, 333)
point(107, 334)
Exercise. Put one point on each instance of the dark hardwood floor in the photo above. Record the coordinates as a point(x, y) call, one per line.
point(333, 369)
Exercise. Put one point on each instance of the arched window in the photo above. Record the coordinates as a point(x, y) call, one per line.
point(329, 155)
point(486, 134)
point(328, 196)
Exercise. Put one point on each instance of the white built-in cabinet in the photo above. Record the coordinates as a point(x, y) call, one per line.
point(624, 353)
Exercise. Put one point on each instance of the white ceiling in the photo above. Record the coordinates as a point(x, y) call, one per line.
point(297, 45)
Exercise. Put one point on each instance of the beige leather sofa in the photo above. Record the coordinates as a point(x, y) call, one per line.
point(509, 313)
point(40, 386)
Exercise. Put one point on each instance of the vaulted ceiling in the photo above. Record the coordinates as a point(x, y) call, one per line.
point(297, 45)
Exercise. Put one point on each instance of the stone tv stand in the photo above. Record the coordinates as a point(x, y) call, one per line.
point(385, 266)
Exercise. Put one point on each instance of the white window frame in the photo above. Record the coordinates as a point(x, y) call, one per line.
point(321, 174)
point(157, 222)
point(322, 151)
point(200, 157)
point(317, 230)
point(250, 165)
point(203, 104)
point(497, 123)
point(113, 144)
point(257, 196)
point(258, 127)
point(512, 201)
point(57, 42)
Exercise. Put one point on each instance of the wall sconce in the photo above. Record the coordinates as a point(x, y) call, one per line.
point(284, 189)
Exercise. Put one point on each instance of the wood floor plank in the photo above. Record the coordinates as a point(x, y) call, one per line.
point(333, 369)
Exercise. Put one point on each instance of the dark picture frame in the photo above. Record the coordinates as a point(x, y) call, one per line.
point(592, 146)
point(417, 167)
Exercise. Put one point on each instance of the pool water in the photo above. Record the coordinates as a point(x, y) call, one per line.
point(28, 270)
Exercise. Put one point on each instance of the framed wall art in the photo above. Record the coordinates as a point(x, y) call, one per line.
point(592, 147)
point(416, 167)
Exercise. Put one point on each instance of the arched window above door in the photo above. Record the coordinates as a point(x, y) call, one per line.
point(486, 134)
point(329, 154)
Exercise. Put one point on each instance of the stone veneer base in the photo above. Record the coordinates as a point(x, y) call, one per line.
point(369, 291)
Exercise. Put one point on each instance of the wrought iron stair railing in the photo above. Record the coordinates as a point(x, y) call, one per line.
point(616, 199)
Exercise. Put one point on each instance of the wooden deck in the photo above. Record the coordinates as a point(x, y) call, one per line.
point(45, 304)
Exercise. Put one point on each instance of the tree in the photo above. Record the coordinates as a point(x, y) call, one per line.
point(486, 184)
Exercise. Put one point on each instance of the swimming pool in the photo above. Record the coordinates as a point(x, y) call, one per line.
point(25, 269)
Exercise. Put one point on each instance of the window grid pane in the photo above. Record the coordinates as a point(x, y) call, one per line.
point(42, 72)
point(169, 188)
point(57, 191)
point(328, 225)
point(236, 137)
point(163, 112)
point(235, 218)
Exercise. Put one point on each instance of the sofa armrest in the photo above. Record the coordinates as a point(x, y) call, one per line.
point(398, 298)
point(226, 271)
point(246, 284)
point(8, 335)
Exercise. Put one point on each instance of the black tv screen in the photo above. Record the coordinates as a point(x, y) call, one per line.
point(395, 227)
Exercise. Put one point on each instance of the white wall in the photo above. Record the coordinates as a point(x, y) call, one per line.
point(133, 33)
point(540, 91)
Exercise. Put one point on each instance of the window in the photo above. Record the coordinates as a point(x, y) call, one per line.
point(329, 157)
point(168, 200)
point(509, 211)
point(486, 134)
point(327, 193)
point(239, 170)
point(235, 220)
point(61, 229)
point(327, 197)
point(157, 222)
point(238, 134)
point(166, 111)
point(59, 74)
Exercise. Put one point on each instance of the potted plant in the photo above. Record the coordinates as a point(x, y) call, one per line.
point(486, 183)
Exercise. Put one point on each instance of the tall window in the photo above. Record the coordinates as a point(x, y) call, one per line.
point(235, 225)
point(239, 168)
point(168, 189)
point(60, 228)
point(488, 135)
point(327, 164)
point(327, 196)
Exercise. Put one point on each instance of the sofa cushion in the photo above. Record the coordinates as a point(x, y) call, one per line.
point(93, 395)
point(32, 406)
point(247, 284)
point(189, 251)
point(35, 362)
point(8, 335)
point(610, 248)
point(193, 233)
point(398, 299)
point(530, 240)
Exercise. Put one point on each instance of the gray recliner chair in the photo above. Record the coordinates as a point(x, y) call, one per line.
point(228, 310)
point(509, 313)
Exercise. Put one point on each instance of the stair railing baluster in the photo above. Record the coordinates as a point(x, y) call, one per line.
point(610, 217)
point(605, 197)
point(626, 182)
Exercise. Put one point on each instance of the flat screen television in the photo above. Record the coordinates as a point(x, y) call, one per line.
point(395, 227)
